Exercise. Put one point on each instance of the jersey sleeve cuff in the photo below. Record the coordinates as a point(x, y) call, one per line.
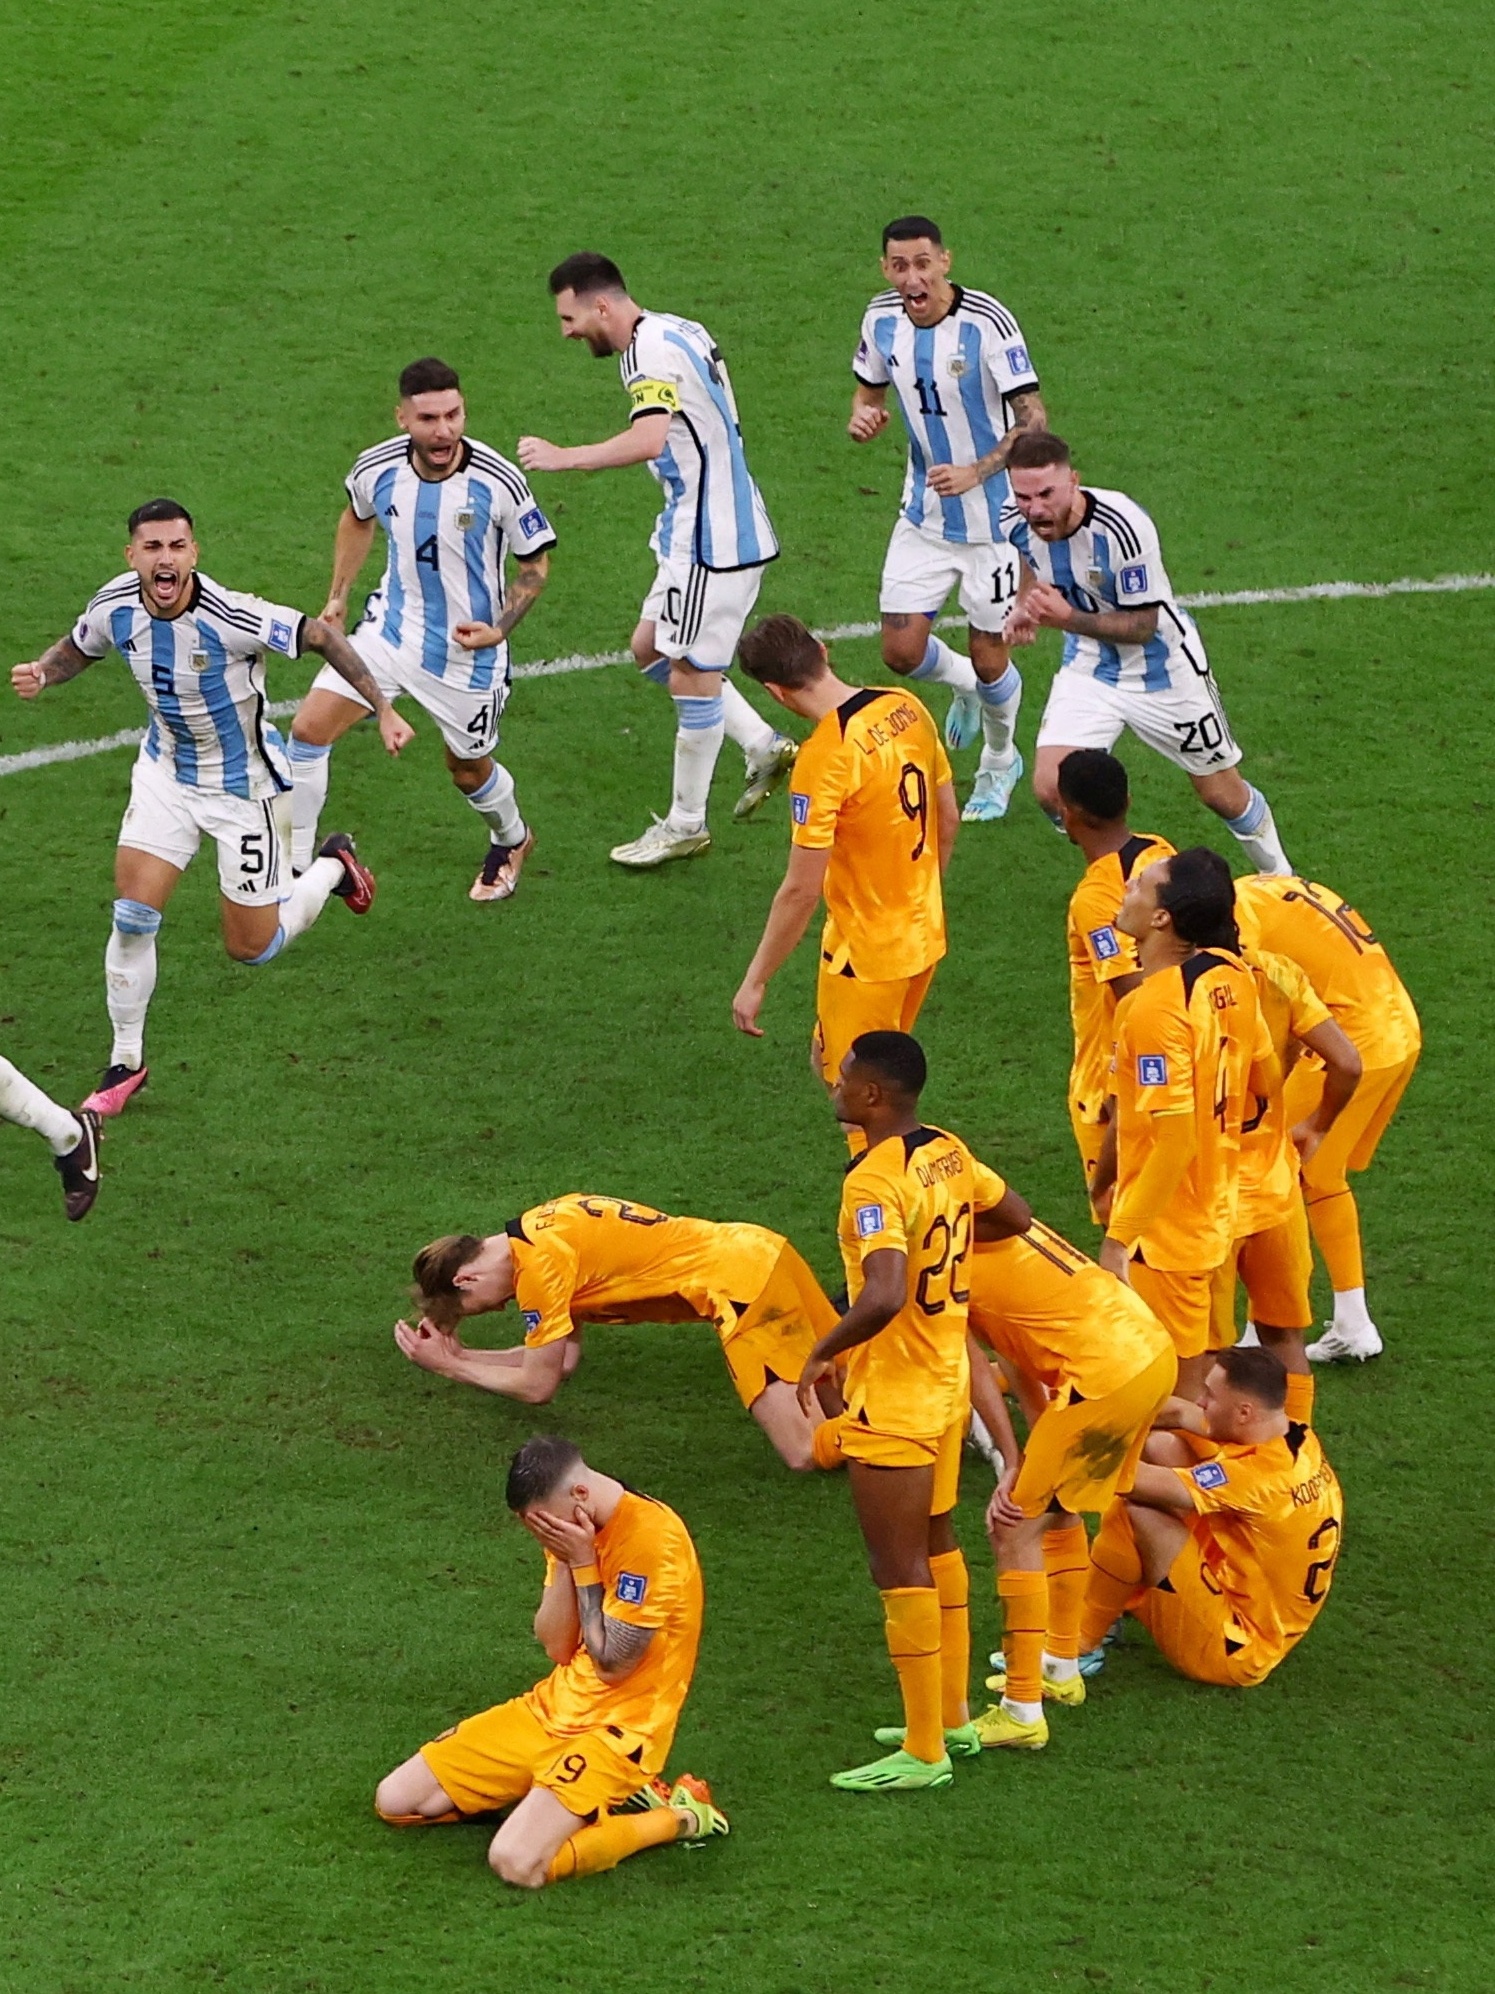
point(864, 382)
point(537, 547)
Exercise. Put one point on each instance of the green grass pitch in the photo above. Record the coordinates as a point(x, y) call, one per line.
point(251, 1558)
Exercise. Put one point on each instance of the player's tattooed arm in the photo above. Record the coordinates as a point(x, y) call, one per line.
point(530, 577)
point(350, 550)
point(616, 1646)
point(1045, 605)
point(325, 637)
point(56, 665)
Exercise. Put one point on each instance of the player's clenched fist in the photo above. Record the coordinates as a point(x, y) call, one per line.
point(867, 421)
point(28, 679)
point(535, 454)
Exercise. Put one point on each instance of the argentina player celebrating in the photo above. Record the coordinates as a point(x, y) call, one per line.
point(958, 363)
point(1132, 655)
point(210, 766)
point(712, 540)
point(437, 627)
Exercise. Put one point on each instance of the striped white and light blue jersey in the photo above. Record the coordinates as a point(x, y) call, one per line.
point(955, 383)
point(446, 544)
point(1113, 560)
point(203, 677)
point(713, 515)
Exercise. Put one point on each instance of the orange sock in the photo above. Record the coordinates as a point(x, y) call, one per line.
point(1115, 1575)
point(953, 1584)
point(912, 1623)
point(1025, 1609)
point(1066, 1561)
point(1336, 1226)
point(610, 1841)
point(1299, 1406)
point(825, 1443)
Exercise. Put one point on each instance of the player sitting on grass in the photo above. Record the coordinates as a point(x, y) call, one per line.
point(74, 1139)
point(581, 1259)
point(620, 1617)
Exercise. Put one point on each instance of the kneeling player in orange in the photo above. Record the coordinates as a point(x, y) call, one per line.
point(621, 1619)
point(907, 1209)
point(1225, 1548)
point(584, 1258)
point(1107, 1366)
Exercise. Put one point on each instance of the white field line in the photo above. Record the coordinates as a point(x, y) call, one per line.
point(131, 737)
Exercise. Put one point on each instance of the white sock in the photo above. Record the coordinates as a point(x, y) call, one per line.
point(1256, 828)
point(745, 725)
point(130, 978)
point(24, 1103)
point(698, 742)
point(1000, 704)
point(310, 768)
point(496, 805)
point(1025, 1713)
point(942, 666)
point(308, 897)
point(1249, 1340)
point(1350, 1311)
point(1060, 1668)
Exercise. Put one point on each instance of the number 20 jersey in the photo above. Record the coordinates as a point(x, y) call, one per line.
point(865, 789)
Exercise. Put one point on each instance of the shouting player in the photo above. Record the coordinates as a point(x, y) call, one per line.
point(958, 363)
point(210, 765)
point(72, 1139)
point(1132, 655)
point(437, 627)
point(581, 1259)
point(620, 1618)
point(712, 540)
point(874, 824)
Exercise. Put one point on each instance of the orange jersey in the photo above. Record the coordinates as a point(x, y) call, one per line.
point(914, 1194)
point(1186, 1039)
point(863, 789)
point(583, 1258)
point(1290, 1008)
point(1098, 954)
point(1345, 963)
point(1268, 1522)
point(651, 1577)
point(1040, 1302)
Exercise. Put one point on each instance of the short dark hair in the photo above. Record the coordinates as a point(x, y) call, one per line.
point(1036, 450)
point(1200, 895)
point(435, 1271)
point(781, 651)
point(895, 1058)
point(155, 511)
point(910, 228)
point(428, 377)
point(1259, 1373)
point(538, 1470)
point(586, 273)
point(1095, 782)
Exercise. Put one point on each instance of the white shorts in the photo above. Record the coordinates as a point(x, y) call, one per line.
point(468, 720)
point(167, 819)
point(919, 571)
point(698, 613)
point(1185, 723)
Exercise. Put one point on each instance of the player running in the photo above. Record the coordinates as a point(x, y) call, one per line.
point(1225, 1549)
point(210, 765)
point(584, 1258)
point(712, 539)
point(437, 627)
point(72, 1138)
point(874, 824)
point(1132, 655)
point(959, 365)
point(1353, 975)
point(620, 1617)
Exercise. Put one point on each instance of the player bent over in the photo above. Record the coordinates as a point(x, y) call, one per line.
point(1226, 1546)
point(437, 627)
point(584, 1258)
point(210, 765)
point(907, 1210)
point(958, 363)
point(712, 540)
point(1132, 655)
point(72, 1138)
point(620, 1617)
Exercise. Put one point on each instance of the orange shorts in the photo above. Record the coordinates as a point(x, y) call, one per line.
point(1083, 1454)
point(1181, 1303)
point(1275, 1268)
point(1195, 1628)
point(845, 1007)
point(493, 1759)
point(875, 1449)
point(772, 1338)
point(1351, 1142)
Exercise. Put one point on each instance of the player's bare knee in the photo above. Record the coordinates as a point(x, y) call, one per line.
point(904, 642)
point(1225, 792)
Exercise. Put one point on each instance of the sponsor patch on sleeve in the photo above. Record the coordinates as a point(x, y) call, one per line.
point(531, 1320)
point(870, 1221)
point(1133, 578)
point(1152, 1069)
point(533, 522)
point(632, 1586)
point(799, 807)
point(1103, 944)
point(1018, 361)
point(650, 397)
point(1209, 1475)
point(282, 636)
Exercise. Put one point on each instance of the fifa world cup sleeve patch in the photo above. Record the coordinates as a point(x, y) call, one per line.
point(1152, 1069)
point(870, 1221)
point(533, 523)
point(1133, 579)
point(652, 398)
point(1209, 1475)
point(631, 1588)
point(1103, 944)
point(282, 637)
point(531, 1321)
point(799, 807)
point(1018, 361)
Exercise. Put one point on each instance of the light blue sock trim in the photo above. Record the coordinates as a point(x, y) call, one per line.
point(925, 667)
point(1251, 818)
point(309, 751)
point(269, 954)
point(698, 714)
point(478, 797)
point(659, 671)
point(133, 917)
point(1006, 689)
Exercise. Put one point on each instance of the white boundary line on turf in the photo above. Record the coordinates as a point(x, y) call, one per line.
point(579, 661)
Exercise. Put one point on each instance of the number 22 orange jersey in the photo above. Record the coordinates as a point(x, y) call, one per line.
point(863, 789)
